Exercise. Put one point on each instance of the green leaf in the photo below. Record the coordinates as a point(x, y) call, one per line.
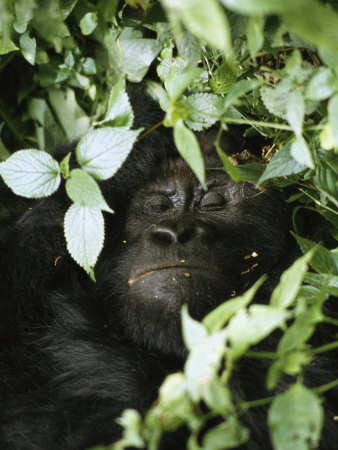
point(24, 10)
point(203, 110)
point(177, 81)
point(72, 118)
point(295, 111)
point(281, 164)
point(224, 77)
point(188, 147)
point(102, 152)
point(320, 280)
point(259, 6)
point(230, 168)
point(275, 100)
point(286, 292)
point(131, 421)
point(248, 327)
point(203, 364)
point(133, 55)
point(7, 47)
point(31, 173)
point(323, 260)
point(119, 111)
point(250, 171)
point(84, 232)
point(327, 175)
point(217, 396)
point(322, 84)
point(193, 332)
point(28, 48)
point(207, 21)
point(84, 191)
point(301, 153)
point(217, 318)
point(295, 419)
point(239, 89)
point(188, 47)
point(64, 166)
point(174, 405)
point(333, 117)
point(227, 435)
point(255, 34)
point(155, 90)
point(88, 23)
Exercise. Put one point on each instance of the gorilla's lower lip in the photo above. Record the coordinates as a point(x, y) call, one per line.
point(186, 270)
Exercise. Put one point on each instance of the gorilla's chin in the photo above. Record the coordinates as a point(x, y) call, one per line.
point(168, 288)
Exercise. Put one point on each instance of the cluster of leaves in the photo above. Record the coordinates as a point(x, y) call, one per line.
point(272, 66)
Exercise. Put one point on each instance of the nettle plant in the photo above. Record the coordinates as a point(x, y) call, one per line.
point(35, 174)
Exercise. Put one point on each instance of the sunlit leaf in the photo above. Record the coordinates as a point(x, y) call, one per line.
point(31, 173)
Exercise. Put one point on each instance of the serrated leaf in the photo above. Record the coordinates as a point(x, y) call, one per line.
point(84, 232)
point(119, 111)
point(276, 99)
point(88, 23)
point(102, 152)
point(295, 111)
point(203, 110)
point(224, 77)
point(28, 48)
point(301, 153)
point(295, 419)
point(281, 164)
point(84, 191)
point(31, 173)
point(322, 84)
point(188, 147)
point(193, 332)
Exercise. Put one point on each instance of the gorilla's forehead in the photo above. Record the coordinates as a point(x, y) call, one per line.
point(176, 171)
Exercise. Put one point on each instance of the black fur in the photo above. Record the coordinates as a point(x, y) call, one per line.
point(75, 354)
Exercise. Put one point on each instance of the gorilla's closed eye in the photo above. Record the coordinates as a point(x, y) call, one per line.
point(157, 203)
point(213, 200)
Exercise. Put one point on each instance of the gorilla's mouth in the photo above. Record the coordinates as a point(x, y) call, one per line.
point(186, 270)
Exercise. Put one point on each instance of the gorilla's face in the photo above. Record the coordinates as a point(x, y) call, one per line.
point(184, 245)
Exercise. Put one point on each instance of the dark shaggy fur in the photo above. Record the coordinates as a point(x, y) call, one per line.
point(75, 354)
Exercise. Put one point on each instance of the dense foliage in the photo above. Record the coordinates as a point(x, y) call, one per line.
point(272, 66)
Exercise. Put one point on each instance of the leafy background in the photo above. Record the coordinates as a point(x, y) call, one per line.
point(271, 66)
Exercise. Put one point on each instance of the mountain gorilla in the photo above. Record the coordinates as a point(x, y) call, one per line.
point(75, 353)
